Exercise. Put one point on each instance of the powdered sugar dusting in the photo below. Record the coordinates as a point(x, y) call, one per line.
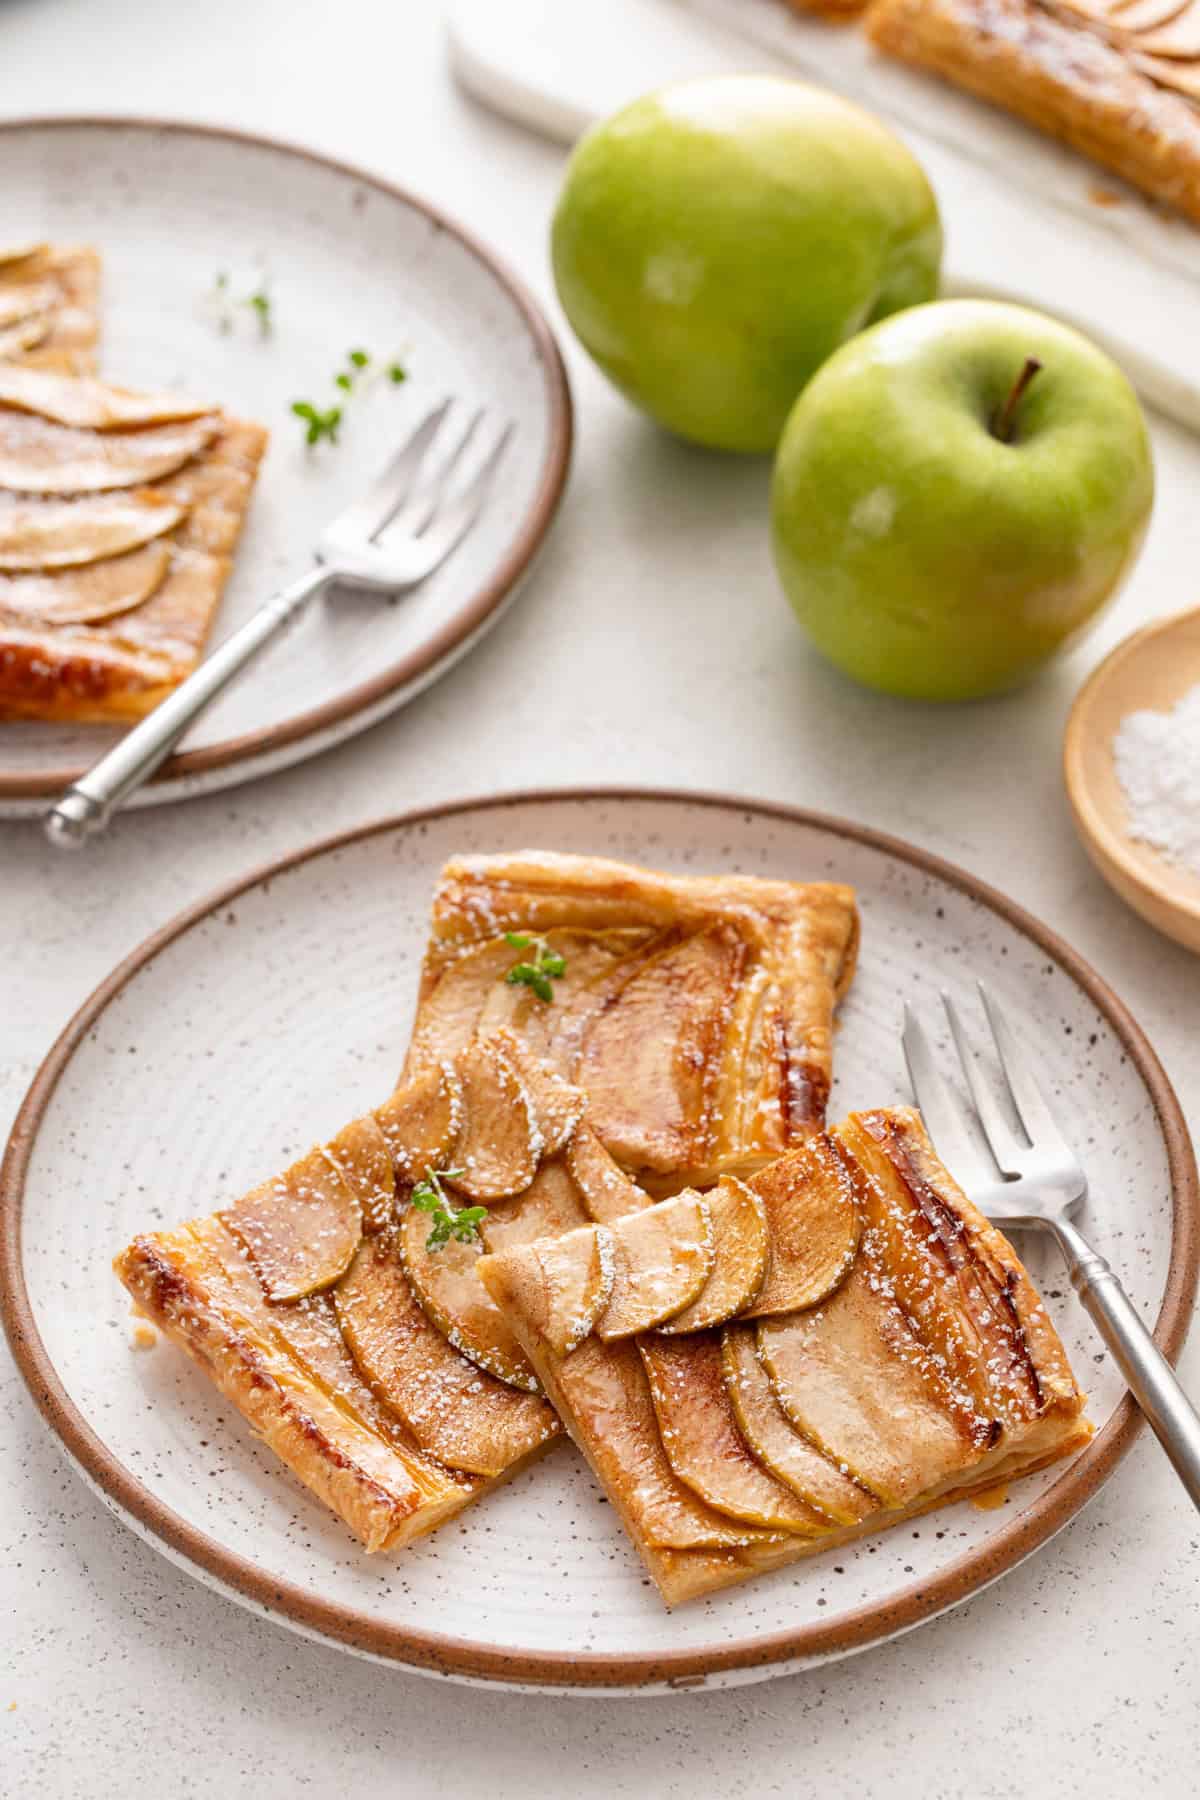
point(1157, 757)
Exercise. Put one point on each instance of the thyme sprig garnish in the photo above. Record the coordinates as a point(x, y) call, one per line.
point(226, 305)
point(318, 424)
point(536, 972)
point(461, 1223)
point(359, 371)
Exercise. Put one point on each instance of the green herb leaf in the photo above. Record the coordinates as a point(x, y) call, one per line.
point(429, 1196)
point(518, 940)
point(397, 373)
point(546, 966)
point(260, 304)
point(318, 424)
point(358, 358)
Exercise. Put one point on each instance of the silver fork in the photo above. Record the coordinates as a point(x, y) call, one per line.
point(392, 538)
point(1036, 1181)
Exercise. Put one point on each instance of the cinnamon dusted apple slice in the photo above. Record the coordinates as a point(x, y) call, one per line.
point(37, 457)
point(557, 1105)
point(361, 1156)
point(852, 1376)
point(90, 405)
point(662, 1258)
point(607, 1398)
point(813, 1224)
point(740, 1250)
point(446, 1283)
point(560, 1287)
point(607, 1191)
point(703, 1443)
point(456, 1411)
point(300, 1230)
point(62, 534)
point(548, 1207)
point(84, 596)
point(792, 1458)
point(421, 1122)
point(498, 1146)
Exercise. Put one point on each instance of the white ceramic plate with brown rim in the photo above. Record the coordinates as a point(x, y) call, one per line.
point(348, 262)
point(268, 1015)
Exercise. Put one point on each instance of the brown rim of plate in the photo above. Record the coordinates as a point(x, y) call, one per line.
point(39, 783)
point(454, 1656)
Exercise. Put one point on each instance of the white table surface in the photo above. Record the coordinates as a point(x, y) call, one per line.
point(652, 645)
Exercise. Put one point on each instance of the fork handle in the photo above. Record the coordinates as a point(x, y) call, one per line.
point(87, 806)
point(1152, 1380)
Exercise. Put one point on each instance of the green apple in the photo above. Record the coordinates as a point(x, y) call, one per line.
point(956, 495)
point(715, 241)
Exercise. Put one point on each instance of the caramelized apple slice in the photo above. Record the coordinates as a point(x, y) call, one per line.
point(63, 534)
point(85, 596)
point(421, 1122)
point(90, 405)
point(548, 1207)
point(497, 1150)
point(779, 1447)
point(360, 1154)
point(15, 339)
point(37, 457)
point(703, 1443)
point(605, 1390)
point(607, 1191)
point(557, 1105)
point(456, 1411)
point(852, 1377)
point(300, 1230)
point(662, 1258)
point(447, 1286)
point(560, 1285)
point(813, 1224)
point(740, 1247)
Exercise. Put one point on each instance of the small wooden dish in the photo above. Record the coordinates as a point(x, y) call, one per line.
point(1152, 670)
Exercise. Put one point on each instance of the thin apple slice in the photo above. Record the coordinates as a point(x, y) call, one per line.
point(27, 299)
point(814, 1226)
point(779, 1447)
point(607, 1191)
point(361, 1155)
point(37, 457)
point(662, 1258)
point(447, 1287)
point(851, 1375)
point(84, 596)
point(557, 1105)
point(498, 1146)
point(421, 1122)
point(90, 405)
point(26, 335)
point(63, 534)
point(560, 1286)
point(456, 1411)
point(703, 1443)
point(740, 1249)
point(548, 1207)
point(300, 1231)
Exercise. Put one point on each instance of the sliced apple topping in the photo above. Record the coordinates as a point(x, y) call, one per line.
point(851, 1375)
point(557, 1105)
point(740, 1249)
point(465, 990)
point(499, 1144)
point(607, 1395)
point(27, 299)
point(27, 335)
point(37, 457)
point(63, 534)
point(421, 1122)
point(792, 1458)
point(813, 1224)
point(560, 1286)
point(456, 1411)
point(607, 1191)
point(85, 596)
point(90, 405)
point(662, 1258)
point(548, 1207)
point(361, 1155)
point(300, 1230)
point(703, 1443)
point(446, 1283)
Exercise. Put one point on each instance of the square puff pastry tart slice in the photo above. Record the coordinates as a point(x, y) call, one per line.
point(119, 513)
point(369, 1355)
point(886, 1355)
point(49, 295)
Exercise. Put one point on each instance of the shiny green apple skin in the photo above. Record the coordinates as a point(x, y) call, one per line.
point(924, 555)
point(715, 241)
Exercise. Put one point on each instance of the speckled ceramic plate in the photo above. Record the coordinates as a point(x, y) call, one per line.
point(348, 262)
point(267, 1016)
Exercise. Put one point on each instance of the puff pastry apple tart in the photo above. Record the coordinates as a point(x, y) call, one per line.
point(119, 513)
point(583, 1027)
point(782, 1364)
point(48, 306)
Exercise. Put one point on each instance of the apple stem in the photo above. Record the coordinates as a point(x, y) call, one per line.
point(1005, 419)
